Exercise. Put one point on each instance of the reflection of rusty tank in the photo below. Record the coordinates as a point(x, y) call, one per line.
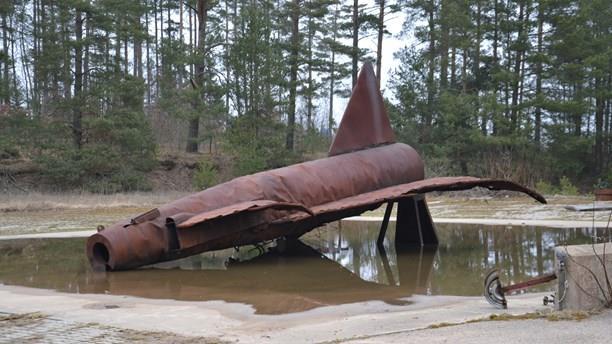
point(365, 169)
point(275, 283)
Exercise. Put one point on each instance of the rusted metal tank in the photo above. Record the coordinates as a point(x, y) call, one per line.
point(365, 169)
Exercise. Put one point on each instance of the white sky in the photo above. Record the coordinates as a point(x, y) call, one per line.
point(391, 44)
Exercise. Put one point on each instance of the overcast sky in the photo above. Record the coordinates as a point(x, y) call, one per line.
point(391, 44)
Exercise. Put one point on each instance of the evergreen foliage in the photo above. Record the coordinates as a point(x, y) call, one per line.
point(516, 89)
point(513, 89)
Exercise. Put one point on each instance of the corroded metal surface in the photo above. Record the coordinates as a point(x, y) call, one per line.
point(365, 169)
point(365, 122)
point(237, 205)
point(239, 208)
point(424, 186)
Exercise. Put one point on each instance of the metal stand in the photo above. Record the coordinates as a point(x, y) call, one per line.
point(414, 225)
point(384, 225)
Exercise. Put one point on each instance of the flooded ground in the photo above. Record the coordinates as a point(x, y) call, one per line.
point(332, 265)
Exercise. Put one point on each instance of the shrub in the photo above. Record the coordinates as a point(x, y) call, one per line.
point(256, 145)
point(546, 188)
point(206, 174)
point(604, 181)
point(117, 150)
point(567, 188)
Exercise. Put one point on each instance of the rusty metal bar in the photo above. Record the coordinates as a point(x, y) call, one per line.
point(384, 225)
point(530, 282)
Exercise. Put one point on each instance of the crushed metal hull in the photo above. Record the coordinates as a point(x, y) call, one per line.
point(286, 202)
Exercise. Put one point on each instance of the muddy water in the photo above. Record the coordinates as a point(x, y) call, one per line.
point(336, 264)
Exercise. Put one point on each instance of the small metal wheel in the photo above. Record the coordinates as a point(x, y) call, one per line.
point(548, 300)
point(493, 291)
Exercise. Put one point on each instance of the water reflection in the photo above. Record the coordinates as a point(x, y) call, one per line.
point(339, 265)
point(465, 253)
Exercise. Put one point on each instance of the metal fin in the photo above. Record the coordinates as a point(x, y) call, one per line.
point(365, 122)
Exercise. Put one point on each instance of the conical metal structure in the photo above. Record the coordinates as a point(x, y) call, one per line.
point(364, 123)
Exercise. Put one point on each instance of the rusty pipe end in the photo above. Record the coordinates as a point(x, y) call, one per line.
point(120, 247)
point(100, 253)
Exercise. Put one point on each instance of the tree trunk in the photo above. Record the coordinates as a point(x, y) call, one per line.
point(495, 58)
point(148, 49)
point(36, 54)
point(194, 123)
point(444, 41)
point(430, 74)
point(6, 85)
point(25, 61)
point(538, 104)
point(332, 81)
point(181, 20)
point(599, 125)
point(355, 49)
point(476, 68)
point(156, 50)
point(577, 116)
point(464, 77)
point(332, 73)
point(608, 126)
point(67, 76)
point(226, 56)
point(310, 93)
point(78, 80)
point(138, 48)
point(295, 46)
point(381, 32)
point(514, 114)
point(126, 52)
point(88, 30)
point(13, 59)
point(453, 63)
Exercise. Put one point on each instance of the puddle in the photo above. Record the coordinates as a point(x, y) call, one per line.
point(332, 265)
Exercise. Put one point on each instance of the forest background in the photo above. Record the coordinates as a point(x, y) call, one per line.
point(102, 95)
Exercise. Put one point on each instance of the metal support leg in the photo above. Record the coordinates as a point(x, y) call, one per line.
point(386, 265)
point(414, 225)
point(384, 225)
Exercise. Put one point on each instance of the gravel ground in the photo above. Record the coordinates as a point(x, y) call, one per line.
point(38, 328)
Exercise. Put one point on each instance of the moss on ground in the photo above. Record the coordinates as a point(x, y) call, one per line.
point(545, 315)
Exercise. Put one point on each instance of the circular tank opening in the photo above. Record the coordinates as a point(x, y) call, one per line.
point(100, 255)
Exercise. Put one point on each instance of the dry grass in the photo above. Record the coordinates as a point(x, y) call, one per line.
point(51, 201)
point(545, 315)
point(20, 319)
point(24, 316)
